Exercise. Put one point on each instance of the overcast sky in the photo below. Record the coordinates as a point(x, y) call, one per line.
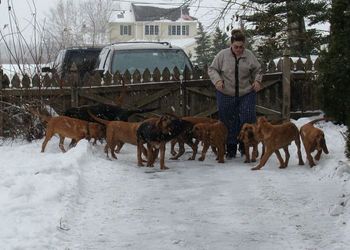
point(24, 10)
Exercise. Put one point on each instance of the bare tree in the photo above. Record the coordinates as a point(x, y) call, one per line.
point(22, 48)
point(96, 18)
point(85, 23)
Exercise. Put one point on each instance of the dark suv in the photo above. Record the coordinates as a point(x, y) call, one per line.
point(141, 55)
point(84, 57)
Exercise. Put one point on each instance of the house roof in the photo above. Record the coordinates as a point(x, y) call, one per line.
point(151, 13)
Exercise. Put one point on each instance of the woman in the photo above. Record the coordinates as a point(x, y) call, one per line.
point(236, 75)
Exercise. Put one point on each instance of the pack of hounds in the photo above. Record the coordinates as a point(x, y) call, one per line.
point(110, 122)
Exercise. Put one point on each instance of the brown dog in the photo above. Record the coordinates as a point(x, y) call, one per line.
point(212, 134)
point(68, 127)
point(72, 128)
point(275, 137)
point(313, 139)
point(118, 133)
point(249, 137)
point(156, 133)
point(182, 140)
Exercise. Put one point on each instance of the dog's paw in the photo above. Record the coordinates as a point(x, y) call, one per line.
point(256, 168)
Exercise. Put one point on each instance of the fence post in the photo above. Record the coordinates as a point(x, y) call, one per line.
point(286, 85)
point(73, 78)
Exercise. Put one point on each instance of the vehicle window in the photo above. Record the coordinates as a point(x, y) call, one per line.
point(85, 60)
point(101, 61)
point(58, 64)
point(142, 59)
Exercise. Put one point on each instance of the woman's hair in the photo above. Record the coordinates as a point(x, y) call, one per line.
point(237, 35)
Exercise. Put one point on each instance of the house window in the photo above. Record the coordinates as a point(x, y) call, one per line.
point(185, 30)
point(151, 30)
point(178, 30)
point(173, 30)
point(125, 30)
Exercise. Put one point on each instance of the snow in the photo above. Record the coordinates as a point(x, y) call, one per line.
point(82, 200)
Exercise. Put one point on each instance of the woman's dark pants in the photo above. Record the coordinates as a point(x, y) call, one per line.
point(234, 112)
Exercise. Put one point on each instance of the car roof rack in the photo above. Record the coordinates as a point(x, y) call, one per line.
point(164, 43)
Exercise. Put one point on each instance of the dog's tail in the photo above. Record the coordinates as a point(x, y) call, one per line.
point(99, 120)
point(140, 111)
point(320, 119)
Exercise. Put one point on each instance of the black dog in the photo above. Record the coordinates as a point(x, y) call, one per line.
point(104, 111)
point(156, 133)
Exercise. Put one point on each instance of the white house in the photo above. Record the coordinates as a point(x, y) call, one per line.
point(136, 22)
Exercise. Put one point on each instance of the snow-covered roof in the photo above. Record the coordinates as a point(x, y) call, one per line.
point(131, 12)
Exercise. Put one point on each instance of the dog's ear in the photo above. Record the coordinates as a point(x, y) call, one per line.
point(241, 134)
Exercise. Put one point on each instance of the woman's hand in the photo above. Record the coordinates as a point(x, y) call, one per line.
point(219, 85)
point(256, 86)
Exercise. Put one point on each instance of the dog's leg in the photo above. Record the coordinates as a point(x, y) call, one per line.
point(172, 147)
point(194, 150)
point(247, 155)
point(280, 159)
point(204, 151)
point(106, 150)
point(193, 146)
point(111, 146)
point(286, 151)
point(263, 159)
point(95, 141)
point(297, 142)
point(181, 149)
point(162, 156)
point(61, 144)
point(47, 138)
point(119, 147)
point(150, 156)
point(255, 152)
point(155, 154)
point(309, 156)
point(262, 149)
point(72, 143)
point(318, 155)
point(139, 150)
point(213, 148)
point(221, 153)
point(144, 152)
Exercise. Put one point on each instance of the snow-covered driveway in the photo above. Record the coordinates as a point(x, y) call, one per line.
point(82, 200)
point(198, 205)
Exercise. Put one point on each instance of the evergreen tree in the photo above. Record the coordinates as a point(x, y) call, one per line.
point(282, 22)
point(220, 42)
point(203, 47)
point(334, 72)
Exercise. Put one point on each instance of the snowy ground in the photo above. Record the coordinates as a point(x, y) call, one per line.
point(82, 200)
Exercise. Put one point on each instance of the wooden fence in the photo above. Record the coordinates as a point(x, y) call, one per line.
point(289, 89)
